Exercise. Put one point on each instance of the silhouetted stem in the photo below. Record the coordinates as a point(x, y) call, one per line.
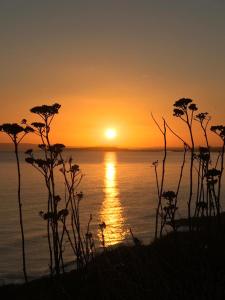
point(20, 211)
point(48, 226)
point(205, 135)
point(220, 179)
point(175, 134)
point(162, 178)
point(48, 208)
point(189, 123)
point(198, 189)
point(55, 222)
point(157, 180)
point(181, 174)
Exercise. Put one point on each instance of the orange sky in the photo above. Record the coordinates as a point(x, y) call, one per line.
point(110, 64)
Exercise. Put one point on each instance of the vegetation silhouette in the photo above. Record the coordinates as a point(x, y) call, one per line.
point(203, 172)
point(17, 133)
point(63, 215)
point(186, 258)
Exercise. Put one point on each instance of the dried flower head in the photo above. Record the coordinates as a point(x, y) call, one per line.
point(56, 148)
point(169, 195)
point(182, 103)
point(62, 214)
point(193, 107)
point(219, 130)
point(201, 117)
point(102, 226)
point(80, 196)
point(178, 112)
point(74, 168)
point(213, 173)
point(38, 125)
point(46, 110)
point(204, 154)
point(13, 130)
point(155, 163)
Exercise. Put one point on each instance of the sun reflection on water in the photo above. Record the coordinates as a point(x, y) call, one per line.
point(111, 211)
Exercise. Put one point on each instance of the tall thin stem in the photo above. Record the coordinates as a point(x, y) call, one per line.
point(220, 179)
point(20, 211)
point(189, 123)
point(162, 178)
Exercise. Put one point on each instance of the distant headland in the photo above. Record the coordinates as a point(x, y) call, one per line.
point(5, 147)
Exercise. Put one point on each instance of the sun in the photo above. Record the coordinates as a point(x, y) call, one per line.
point(110, 133)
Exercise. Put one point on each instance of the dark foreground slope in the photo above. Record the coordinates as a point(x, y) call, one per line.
point(179, 266)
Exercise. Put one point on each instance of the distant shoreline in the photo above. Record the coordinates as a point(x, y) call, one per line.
point(7, 147)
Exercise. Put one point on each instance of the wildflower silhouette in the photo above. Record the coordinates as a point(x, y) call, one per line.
point(160, 184)
point(46, 167)
point(169, 209)
point(58, 211)
point(89, 241)
point(17, 133)
point(184, 109)
point(219, 130)
point(102, 227)
point(209, 178)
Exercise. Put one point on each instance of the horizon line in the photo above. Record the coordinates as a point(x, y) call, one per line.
point(112, 148)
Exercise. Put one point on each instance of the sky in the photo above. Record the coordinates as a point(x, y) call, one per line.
point(111, 63)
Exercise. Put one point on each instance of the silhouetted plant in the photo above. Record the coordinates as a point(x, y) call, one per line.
point(160, 210)
point(63, 217)
point(102, 227)
point(160, 185)
point(184, 109)
point(72, 178)
point(169, 210)
point(204, 119)
point(204, 205)
point(205, 202)
point(208, 182)
point(220, 131)
point(205, 196)
point(167, 213)
point(89, 242)
point(16, 133)
point(46, 167)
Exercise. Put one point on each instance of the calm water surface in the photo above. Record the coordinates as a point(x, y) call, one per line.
point(119, 189)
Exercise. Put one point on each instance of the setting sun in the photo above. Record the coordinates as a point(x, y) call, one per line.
point(110, 133)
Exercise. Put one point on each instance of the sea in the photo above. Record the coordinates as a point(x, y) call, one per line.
point(119, 189)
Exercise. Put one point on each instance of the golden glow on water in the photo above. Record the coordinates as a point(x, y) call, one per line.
point(111, 211)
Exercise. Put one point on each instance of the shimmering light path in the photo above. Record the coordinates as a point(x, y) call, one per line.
point(112, 211)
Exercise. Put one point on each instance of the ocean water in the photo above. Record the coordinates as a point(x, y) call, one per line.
point(119, 188)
